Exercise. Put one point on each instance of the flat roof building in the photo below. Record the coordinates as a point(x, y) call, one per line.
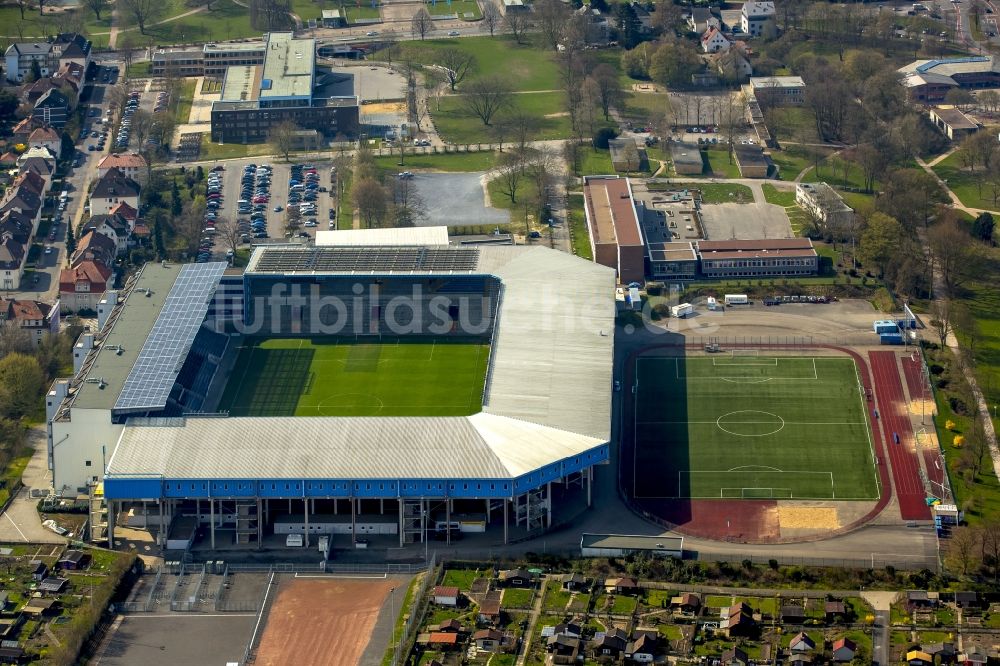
point(283, 88)
point(779, 90)
point(758, 258)
point(686, 158)
point(824, 204)
point(613, 223)
point(751, 161)
point(209, 60)
point(952, 122)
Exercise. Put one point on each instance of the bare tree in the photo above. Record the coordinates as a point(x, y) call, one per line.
point(270, 14)
point(370, 200)
point(127, 47)
point(22, 5)
point(550, 18)
point(422, 24)
point(282, 137)
point(610, 92)
point(228, 230)
point(14, 340)
point(142, 12)
point(510, 172)
point(408, 205)
point(492, 18)
point(518, 23)
point(486, 96)
point(955, 255)
point(963, 549)
point(457, 64)
point(941, 319)
point(96, 6)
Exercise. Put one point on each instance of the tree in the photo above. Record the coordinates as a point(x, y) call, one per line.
point(422, 24)
point(963, 549)
point(408, 206)
point(982, 227)
point(873, 162)
point(457, 64)
point(485, 97)
point(956, 258)
point(14, 340)
point(127, 47)
point(667, 17)
point(911, 196)
point(979, 148)
point(142, 12)
point(370, 200)
point(268, 15)
point(228, 230)
point(34, 73)
point(492, 18)
point(879, 241)
point(941, 312)
point(673, 63)
point(961, 98)
point(510, 172)
point(96, 6)
point(21, 384)
point(22, 5)
point(990, 100)
point(628, 25)
point(550, 19)
point(517, 23)
point(70, 242)
point(282, 137)
point(609, 92)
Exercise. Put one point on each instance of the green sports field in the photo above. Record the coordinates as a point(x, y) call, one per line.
point(745, 426)
point(335, 377)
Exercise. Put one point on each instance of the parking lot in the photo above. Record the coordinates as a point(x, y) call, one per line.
point(276, 192)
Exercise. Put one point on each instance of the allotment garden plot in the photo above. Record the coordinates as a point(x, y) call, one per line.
point(745, 425)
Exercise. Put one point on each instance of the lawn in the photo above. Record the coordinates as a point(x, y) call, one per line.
point(365, 13)
point(460, 578)
point(802, 432)
point(458, 7)
point(792, 160)
point(182, 105)
point(226, 21)
point(514, 597)
point(579, 236)
point(773, 195)
point(452, 162)
point(712, 193)
point(832, 170)
point(594, 162)
point(964, 183)
point(500, 199)
point(795, 123)
point(331, 377)
point(718, 163)
point(525, 67)
point(228, 151)
point(456, 124)
point(644, 106)
point(556, 598)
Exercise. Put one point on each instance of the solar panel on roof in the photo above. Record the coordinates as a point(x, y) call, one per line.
point(152, 377)
point(367, 259)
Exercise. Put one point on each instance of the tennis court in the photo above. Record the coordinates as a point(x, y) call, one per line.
point(748, 426)
point(345, 377)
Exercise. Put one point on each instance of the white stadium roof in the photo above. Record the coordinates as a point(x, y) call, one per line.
point(397, 236)
point(548, 392)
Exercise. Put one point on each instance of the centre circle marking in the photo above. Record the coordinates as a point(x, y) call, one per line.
point(774, 420)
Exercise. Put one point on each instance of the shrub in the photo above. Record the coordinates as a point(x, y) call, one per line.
point(950, 425)
point(958, 441)
point(603, 136)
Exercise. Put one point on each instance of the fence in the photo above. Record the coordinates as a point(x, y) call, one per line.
point(862, 561)
point(421, 600)
point(190, 603)
point(250, 654)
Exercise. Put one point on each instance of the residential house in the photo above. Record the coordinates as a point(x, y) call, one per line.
point(488, 640)
point(445, 595)
point(737, 620)
point(834, 611)
point(72, 49)
point(451, 625)
point(611, 644)
point(942, 653)
point(47, 138)
point(713, 41)
point(800, 659)
point(644, 649)
point(628, 586)
point(701, 19)
point(95, 246)
point(74, 560)
point(8, 161)
point(792, 614)
point(20, 56)
point(575, 582)
point(489, 611)
point(39, 606)
point(39, 571)
point(72, 75)
point(133, 165)
point(844, 650)
point(689, 603)
point(22, 130)
point(53, 585)
point(757, 19)
point(564, 649)
point(12, 257)
point(442, 640)
point(82, 287)
point(114, 228)
point(127, 213)
point(37, 160)
point(517, 578)
point(732, 65)
point(111, 189)
point(34, 91)
point(568, 628)
point(24, 200)
point(801, 642)
point(35, 182)
point(967, 599)
point(34, 317)
point(919, 658)
point(52, 108)
point(734, 656)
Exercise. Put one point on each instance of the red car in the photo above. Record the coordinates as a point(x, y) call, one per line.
point(260, 200)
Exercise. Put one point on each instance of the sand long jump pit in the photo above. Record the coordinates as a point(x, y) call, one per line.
point(322, 621)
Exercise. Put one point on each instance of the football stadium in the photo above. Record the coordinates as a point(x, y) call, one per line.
point(394, 393)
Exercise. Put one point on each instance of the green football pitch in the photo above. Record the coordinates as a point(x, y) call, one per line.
point(334, 377)
point(743, 426)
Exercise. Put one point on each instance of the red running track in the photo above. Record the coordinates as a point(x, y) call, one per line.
point(895, 419)
point(914, 373)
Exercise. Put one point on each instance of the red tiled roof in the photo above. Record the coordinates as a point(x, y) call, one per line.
point(85, 271)
point(125, 211)
point(444, 591)
point(123, 161)
point(443, 638)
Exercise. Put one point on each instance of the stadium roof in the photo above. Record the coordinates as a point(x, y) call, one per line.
point(397, 236)
point(478, 446)
point(548, 394)
point(152, 377)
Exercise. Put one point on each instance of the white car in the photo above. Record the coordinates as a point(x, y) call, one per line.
point(455, 33)
point(371, 33)
point(310, 223)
